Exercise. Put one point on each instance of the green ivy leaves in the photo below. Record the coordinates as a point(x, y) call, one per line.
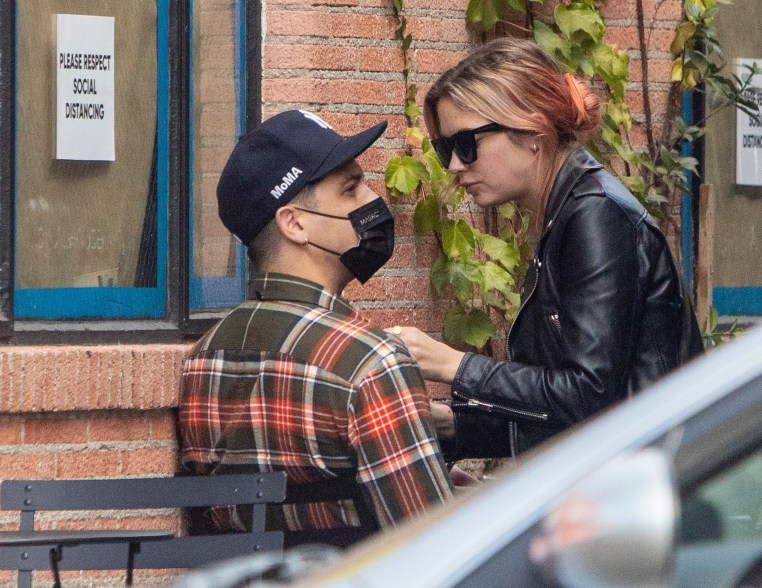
point(487, 13)
point(405, 174)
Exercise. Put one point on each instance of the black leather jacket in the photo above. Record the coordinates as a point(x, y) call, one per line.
point(603, 314)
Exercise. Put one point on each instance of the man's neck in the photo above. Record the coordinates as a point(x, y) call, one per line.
point(334, 284)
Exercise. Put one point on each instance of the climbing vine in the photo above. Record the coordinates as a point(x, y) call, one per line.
point(483, 256)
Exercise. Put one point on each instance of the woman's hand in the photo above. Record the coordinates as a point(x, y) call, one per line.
point(438, 361)
point(444, 420)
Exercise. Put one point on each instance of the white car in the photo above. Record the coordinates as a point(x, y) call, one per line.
point(664, 490)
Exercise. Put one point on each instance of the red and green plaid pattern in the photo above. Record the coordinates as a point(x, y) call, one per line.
point(294, 379)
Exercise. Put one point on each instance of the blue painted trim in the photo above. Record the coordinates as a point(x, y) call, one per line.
point(76, 303)
point(737, 300)
point(162, 216)
point(228, 291)
point(686, 203)
point(113, 302)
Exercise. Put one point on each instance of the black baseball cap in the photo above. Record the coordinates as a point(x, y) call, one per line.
point(271, 164)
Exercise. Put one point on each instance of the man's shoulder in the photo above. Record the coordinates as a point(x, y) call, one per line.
point(349, 346)
point(354, 347)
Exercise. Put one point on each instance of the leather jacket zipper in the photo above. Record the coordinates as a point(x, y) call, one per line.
point(513, 438)
point(555, 323)
point(537, 265)
point(491, 407)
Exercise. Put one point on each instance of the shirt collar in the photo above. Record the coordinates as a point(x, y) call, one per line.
point(275, 286)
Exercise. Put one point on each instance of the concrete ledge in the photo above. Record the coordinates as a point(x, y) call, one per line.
point(65, 378)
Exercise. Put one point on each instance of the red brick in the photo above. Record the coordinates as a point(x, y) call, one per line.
point(408, 288)
point(662, 10)
point(55, 429)
point(375, 160)
point(427, 250)
point(404, 256)
point(388, 317)
point(396, 127)
point(86, 464)
point(381, 59)
point(366, 92)
point(27, 464)
point(144, 462)
point(367, 26)
point(638, 135)
point(436, 60)
point(10, 430)
point(657, 100)
point(297, 90)
point(626, 38)
point(430, 320)
point(373, 289)
point(377, 185)
point(403, 220)
point(302, 22)
point(437, 4)
point(659, 70)
point(451, 30)
point(283, 56)
point(344, 123)
point(119, 426)
point(617, 9)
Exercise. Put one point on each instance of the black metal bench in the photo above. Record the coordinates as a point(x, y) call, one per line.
point(31, 496)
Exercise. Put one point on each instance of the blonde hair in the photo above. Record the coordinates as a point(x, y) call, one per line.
point(516, 83)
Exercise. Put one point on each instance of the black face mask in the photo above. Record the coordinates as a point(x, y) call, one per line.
point(374, 225)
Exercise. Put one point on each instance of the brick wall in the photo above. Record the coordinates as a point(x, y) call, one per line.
point(108, 411)
point(84, 412)
point(661, 18)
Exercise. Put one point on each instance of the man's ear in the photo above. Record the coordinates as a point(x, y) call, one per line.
point(288, 221)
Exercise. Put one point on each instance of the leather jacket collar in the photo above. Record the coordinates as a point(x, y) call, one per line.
point(576, 165)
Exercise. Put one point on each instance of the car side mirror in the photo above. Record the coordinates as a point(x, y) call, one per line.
point(616, 527)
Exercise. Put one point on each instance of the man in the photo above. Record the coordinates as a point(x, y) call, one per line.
point(294, 379)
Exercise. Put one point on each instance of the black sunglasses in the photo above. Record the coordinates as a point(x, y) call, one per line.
point(463, 143)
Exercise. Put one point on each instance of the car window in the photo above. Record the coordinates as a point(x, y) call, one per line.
point(727, 506)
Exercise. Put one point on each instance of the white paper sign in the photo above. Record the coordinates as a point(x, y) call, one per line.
point(85, 87)
point(749, 130)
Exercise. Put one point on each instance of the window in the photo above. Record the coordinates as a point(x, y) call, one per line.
point(728, 506)
point(132, 245)
point(217, 259)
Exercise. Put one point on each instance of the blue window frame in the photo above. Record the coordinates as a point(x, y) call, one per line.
point(224, 291)
point(739, 300)
point(109, 301)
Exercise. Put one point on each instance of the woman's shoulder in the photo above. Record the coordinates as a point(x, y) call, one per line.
point(599, 189)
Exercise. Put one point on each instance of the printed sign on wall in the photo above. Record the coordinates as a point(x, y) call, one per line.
point(85, 87)
point(749, 129)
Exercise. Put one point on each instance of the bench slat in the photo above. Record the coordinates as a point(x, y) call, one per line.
point(181, 552)
point(126, 493)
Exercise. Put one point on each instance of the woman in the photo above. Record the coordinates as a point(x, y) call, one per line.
point(603, 310)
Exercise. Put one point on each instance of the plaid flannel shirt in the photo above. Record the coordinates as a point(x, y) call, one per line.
point(294, 379)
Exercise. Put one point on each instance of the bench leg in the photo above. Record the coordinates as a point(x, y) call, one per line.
point(55, 557)
point(133, 549)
